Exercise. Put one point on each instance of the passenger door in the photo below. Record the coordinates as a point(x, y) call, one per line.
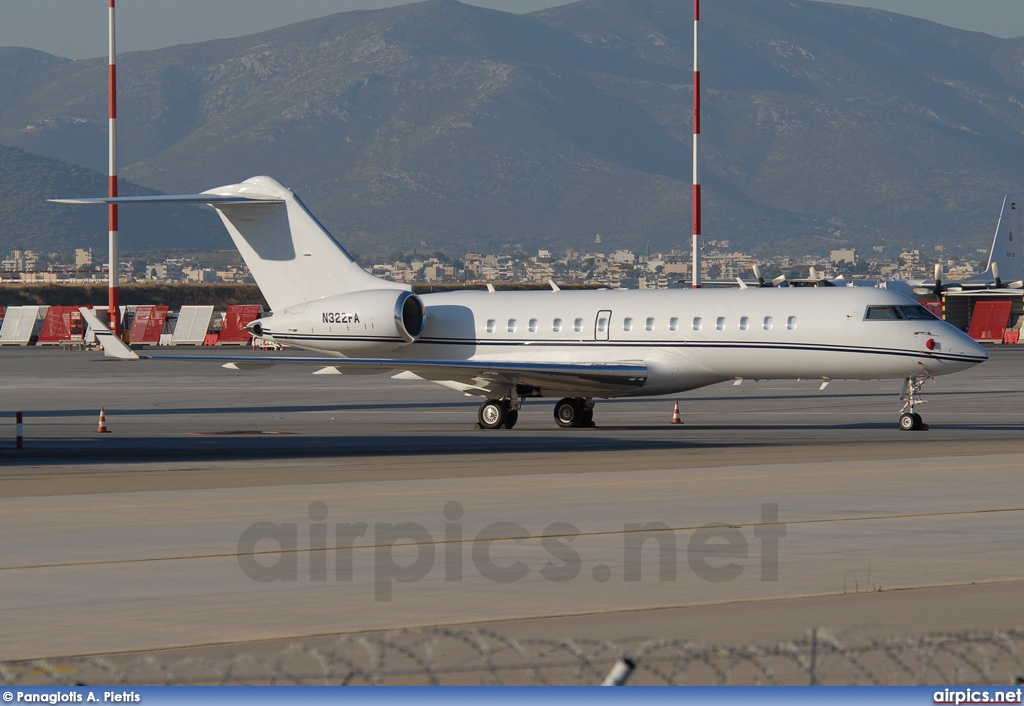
point(602, 325)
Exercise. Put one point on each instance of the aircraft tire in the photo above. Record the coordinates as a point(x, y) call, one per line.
point(569, 412)
point(511, 418)
point(910, 421)
point(493, 414)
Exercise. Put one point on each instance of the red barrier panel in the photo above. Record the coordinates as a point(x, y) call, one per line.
point(62, 323)
point(934, 306)
point(148, 323)
point(236, 319)
point(988, 322)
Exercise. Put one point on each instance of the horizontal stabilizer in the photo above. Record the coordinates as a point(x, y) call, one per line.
point(211, 199)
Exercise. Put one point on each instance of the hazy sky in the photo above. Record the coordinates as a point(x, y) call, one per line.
point(78, 28)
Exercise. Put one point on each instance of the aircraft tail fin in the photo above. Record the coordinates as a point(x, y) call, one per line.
point(290, 254)
point(113, 347)
point(1006, 258)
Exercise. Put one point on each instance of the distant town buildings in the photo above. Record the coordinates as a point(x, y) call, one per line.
point(847, 255)
point(620, 268)
point(28, 267)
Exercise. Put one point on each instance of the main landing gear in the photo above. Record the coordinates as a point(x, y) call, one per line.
point(574, 412)
point(911, 396)
point(569, 412)
point(495, 414)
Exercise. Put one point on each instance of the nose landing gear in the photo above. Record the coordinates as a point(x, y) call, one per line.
point(910, 420)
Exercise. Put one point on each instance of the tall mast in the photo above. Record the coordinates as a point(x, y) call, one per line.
point(696, 151)
point(113, 311)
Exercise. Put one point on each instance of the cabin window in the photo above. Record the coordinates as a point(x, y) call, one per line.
point(791, 323)
point(533, 326)
point(602, 323)
point(767, 323)
point(577, 325)
point(696, 323)
point(720, 323)
point(673, 323)
point(650, 323)
point(627, 324)
point(744, 323)
point(490, 325)
point(511, 325)
point(556, 325)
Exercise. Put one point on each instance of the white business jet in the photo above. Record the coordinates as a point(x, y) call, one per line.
point(576, 346)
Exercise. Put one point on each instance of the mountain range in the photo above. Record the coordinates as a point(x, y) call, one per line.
point(444, 126)
point(28, 222)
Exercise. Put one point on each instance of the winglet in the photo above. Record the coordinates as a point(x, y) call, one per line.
point(113, 347)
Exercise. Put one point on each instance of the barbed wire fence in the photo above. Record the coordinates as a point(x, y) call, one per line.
point(456, 656)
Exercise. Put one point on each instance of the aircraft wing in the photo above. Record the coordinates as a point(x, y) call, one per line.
point(477, 376)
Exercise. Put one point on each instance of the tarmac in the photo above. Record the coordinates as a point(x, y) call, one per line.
point(233, 510)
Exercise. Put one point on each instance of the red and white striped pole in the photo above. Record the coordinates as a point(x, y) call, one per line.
point(696, 152)
point(113, 310)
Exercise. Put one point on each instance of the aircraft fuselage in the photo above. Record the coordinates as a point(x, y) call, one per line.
point(686, 338)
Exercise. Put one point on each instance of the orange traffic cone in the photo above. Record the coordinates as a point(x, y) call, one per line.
point(103, 423)
point(676, 419)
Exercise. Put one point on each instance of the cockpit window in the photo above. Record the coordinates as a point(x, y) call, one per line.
point(882, 313)
point(910, 312)
point(916, 311)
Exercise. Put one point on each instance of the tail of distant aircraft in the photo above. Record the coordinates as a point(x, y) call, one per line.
point(1006, 259)
point(1005, 269)
point(290, 254)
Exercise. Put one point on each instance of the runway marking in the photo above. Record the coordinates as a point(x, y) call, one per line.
point(602, 533)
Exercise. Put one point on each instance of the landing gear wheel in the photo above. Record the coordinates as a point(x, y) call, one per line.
point(512, 418)
point(493, 414)
point(569, 412)
point(588, 417)
point(911, 421)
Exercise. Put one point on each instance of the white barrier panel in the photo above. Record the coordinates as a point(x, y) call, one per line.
point(193, 323)
point(21, 323)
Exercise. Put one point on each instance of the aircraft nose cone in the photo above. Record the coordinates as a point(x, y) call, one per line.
point(977, 349)
point(967, 346)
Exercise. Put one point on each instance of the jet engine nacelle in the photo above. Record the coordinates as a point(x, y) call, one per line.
point(356, 322)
